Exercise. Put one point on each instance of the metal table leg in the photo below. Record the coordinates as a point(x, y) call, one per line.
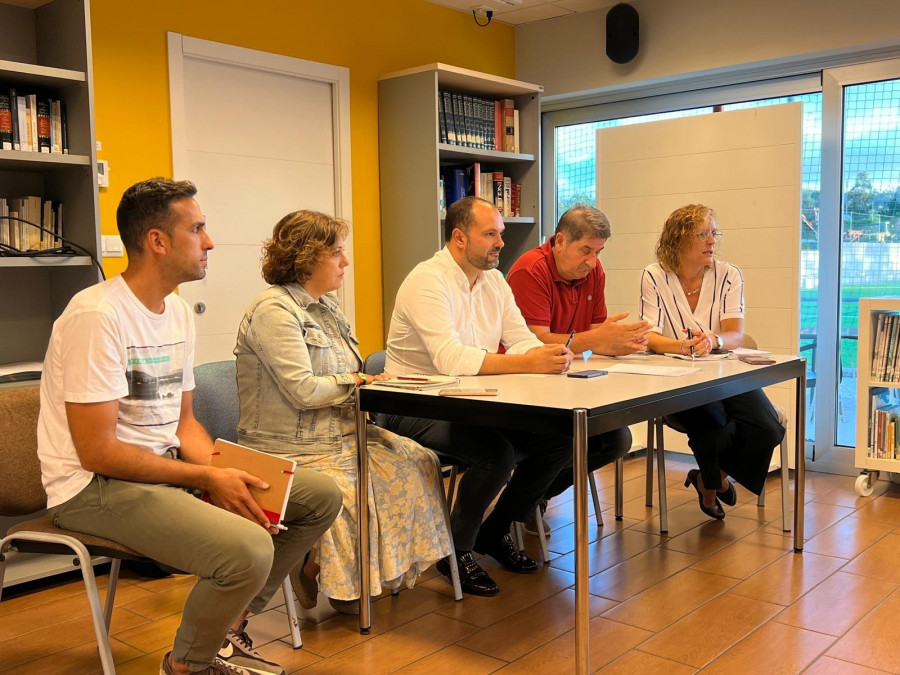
point(800, 459)
point(362, 514)
point(580, 469)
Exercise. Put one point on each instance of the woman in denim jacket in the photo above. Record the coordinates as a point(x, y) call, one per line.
point(297, 368)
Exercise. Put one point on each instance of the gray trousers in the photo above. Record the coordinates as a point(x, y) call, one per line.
point(239, 565)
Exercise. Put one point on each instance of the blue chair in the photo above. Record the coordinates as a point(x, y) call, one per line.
point(217, 408)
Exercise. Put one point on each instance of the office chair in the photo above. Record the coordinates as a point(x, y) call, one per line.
point(22, 494)
point(655, 429)
point(217, 408)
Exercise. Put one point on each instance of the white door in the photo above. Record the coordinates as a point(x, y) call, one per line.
point(746, 165)
point(260, 135)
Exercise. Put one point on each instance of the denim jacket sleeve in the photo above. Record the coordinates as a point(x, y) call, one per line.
point(282, 344)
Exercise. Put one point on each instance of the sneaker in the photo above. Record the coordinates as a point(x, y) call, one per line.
point(530, 526)
point(215, 668)
point(237, 652)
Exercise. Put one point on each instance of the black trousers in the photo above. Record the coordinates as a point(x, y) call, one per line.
point(736, 435)
point(490, 455)
point(602, 449)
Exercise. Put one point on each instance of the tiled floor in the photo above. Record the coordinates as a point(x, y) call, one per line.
point(727, 597)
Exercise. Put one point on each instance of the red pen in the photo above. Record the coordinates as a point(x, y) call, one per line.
point(412, 379)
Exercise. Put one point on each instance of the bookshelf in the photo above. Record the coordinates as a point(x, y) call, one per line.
point(411, 158)
point(870, 309)
point(46, 50)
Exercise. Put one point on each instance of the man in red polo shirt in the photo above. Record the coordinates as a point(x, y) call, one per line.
point(559, 288)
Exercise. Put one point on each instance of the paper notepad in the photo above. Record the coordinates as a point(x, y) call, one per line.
point(644, 369)
point(418, 382)
point(744, 351)
point(277, 471)
point(707, 357)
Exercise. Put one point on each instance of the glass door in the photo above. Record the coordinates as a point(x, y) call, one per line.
point(860, 209)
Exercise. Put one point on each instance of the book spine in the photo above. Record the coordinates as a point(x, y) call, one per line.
point(509, 125)
point(24, 125)
point(473, 180)
point(6, 136)
point(14, 116)
point(498, 190)
point(507, 197)
point(64, 127)
point(498, 125)
point(43, 125)
point(449, 119)
point(55, 128)
point(516, 131)
point(879, 327)
point(517, 200)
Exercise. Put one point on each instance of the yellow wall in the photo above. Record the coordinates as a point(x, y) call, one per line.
point(369, 38)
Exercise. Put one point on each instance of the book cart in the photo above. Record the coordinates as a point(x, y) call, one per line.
point(878, 391)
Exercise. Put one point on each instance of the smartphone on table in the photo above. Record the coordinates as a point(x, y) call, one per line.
point(588, 373)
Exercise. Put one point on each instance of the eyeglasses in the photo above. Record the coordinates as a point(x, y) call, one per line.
point(706, 234)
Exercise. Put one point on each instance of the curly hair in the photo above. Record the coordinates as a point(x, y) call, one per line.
point(299, 241)
point(676, 233)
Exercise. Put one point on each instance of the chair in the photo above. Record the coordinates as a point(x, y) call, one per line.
point(374, 365)
point(22, 494)
point(655, 429)
point(217, 408)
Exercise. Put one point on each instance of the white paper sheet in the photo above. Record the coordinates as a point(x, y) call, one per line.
point(645, 369)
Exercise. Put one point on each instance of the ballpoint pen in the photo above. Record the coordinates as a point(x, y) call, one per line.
point(569, 341)
point(691, 337)
point(412, 379)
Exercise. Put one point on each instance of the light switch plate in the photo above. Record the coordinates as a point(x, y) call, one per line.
point(112, 246)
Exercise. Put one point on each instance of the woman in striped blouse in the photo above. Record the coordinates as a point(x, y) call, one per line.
point(695, 304)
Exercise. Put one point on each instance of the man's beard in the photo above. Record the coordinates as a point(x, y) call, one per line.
point(486, 262)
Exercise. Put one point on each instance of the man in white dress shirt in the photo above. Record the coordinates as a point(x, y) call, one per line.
point(452, 314)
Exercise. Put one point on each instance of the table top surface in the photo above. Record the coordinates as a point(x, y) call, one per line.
point(616, 393)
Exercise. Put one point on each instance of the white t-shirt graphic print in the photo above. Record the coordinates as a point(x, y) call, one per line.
point(107, 345)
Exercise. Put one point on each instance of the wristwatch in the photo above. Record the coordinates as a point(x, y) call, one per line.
point(719, 341)
point(364, 377)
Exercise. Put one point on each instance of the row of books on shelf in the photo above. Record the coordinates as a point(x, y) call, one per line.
point(18, 236)
point(32, 123)
point(886, 351)
point(883, 425)
point(477, 122)
point(493, 186)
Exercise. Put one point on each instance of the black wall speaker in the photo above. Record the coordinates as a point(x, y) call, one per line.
point(622, 33)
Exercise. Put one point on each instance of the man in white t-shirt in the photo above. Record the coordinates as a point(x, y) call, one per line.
point(119, 445)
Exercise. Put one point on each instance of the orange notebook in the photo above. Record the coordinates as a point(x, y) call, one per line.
point(277, 471)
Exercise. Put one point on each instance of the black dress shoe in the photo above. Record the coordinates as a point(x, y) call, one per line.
point(729, 496)
point(714, 511)
point(504, 552)
point(472, 579)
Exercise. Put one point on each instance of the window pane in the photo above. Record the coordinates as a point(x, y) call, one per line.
point(870, 221)
point(576, 177)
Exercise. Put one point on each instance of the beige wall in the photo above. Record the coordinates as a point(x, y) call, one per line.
point(568, 54)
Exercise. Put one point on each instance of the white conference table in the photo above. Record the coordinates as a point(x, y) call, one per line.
point(580, 408)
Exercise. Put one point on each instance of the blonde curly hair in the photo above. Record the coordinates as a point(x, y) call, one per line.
point(299, 241)
point(676, 233)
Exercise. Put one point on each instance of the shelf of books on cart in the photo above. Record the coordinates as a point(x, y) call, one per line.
point(878, 391)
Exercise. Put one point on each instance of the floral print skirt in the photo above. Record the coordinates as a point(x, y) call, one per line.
point(408, 532)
